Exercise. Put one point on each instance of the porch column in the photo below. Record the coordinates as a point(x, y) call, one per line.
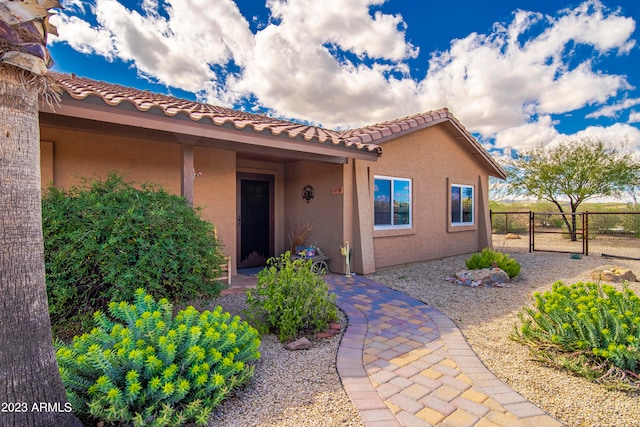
point(484, 216)
point(187, 173)
point(364, 261)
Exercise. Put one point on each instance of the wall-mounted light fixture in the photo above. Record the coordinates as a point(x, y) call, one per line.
point(308, 193)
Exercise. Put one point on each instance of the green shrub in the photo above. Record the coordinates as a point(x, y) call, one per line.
point(488, 256)
point(289, 298)
point(586, 327)
point(146, 369)
point(104, 238)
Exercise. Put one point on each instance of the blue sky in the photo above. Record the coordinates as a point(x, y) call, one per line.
point(516, 77)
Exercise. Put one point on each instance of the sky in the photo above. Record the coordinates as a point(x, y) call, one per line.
point(518, 75)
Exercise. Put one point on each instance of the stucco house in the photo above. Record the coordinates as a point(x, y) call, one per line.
point(402, 191)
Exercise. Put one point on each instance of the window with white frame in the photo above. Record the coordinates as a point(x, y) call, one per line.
point(462, 204)
point(392, 202)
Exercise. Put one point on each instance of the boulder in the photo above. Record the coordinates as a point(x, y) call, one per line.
point(484, 277)
point(613, 273)
point(300, 344)
point(492, 276)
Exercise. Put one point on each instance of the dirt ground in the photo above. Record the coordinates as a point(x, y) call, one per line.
point(553, 241)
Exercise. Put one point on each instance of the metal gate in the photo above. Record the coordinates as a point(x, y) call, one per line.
point(557, 232)
point(611, 234)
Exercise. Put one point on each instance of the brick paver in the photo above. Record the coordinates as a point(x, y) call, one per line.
point(421, 369)
point(403, 363)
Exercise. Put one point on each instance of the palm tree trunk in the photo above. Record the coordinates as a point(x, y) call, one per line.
point(31, 390)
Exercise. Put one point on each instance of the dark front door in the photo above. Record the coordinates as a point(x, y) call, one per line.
point(255, 222)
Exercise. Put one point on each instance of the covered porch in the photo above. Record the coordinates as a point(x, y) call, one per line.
point(255, 178)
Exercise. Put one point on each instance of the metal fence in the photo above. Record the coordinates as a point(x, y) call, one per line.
point(511, 230)
point(614, 234)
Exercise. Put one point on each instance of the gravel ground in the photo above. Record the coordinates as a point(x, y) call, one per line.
point(303, 388)
point(289, 388)
point(487, 316)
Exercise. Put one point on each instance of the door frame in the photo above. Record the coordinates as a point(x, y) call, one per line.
point(256, 177)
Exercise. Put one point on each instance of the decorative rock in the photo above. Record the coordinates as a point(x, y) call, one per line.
point(485, 277)
point(300, 344)
point(612, 273)
point(512, 236)
point(491, 276)
point(335, 326)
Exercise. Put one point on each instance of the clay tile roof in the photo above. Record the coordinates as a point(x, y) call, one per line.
point(366, 138)
point(381, 132)
point(392, 129)
point(143, 100)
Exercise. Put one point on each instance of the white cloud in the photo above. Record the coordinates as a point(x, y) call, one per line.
point(86, 39)
point(543, 133)
point(73, 5)
point(578, 88)
point(345, 63)
point(497, 82)
point(178, 50)
point(296, 70)
point(612, 110)
point(619, 134)
point(528, 135)
point(634, 117)
point(348, 24)
point(588, 24)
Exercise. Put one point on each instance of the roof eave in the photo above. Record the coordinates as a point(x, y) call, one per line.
point(108, 95)
point(93, 108)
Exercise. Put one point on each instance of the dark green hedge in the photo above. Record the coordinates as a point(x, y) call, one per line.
point(106, 238)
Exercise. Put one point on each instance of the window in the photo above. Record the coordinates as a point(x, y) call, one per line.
point(462, 204)
point(392, 202)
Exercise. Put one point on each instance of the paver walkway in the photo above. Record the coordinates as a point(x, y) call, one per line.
point(404, 363)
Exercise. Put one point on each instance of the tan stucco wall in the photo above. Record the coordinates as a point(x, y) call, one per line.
point(431, 158)
point(325, 212)
point(68, 156)
point(215, 192)
point(78, 155)
point(46, 163)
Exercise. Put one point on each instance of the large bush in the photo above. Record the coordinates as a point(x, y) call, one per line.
point(145, 368)
point(588, 328)
point(290, 298)
point(105, 238)
point(487, 257)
